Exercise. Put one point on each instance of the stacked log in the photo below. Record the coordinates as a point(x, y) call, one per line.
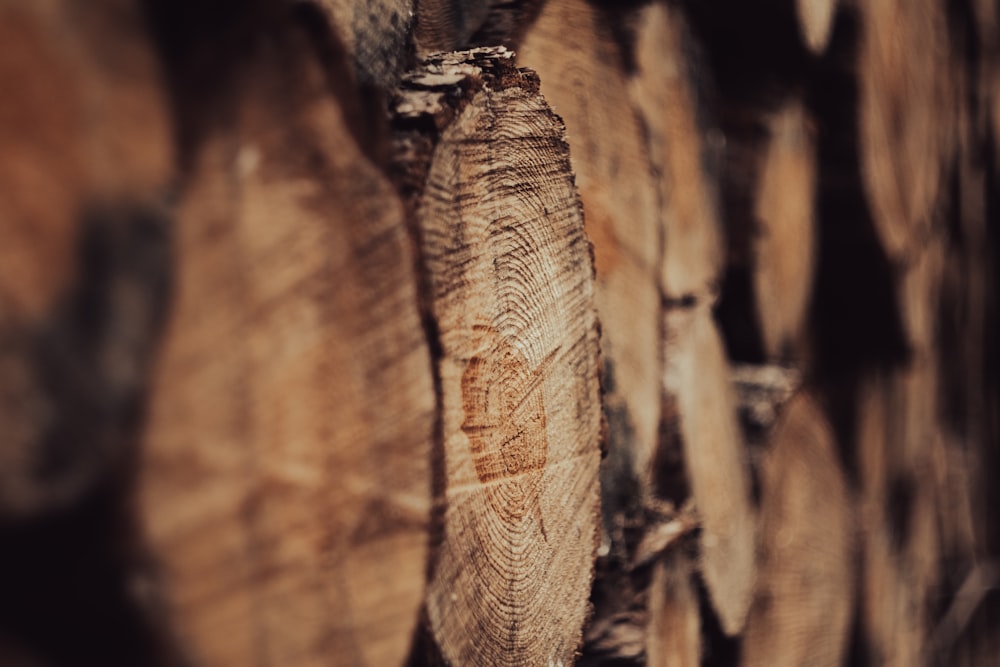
point(461, 332)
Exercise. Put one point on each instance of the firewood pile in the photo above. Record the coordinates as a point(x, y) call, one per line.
point(499, 332)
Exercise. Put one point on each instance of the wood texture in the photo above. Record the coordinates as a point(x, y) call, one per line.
point(674, 626)
point(803, 601)
point(582, 71)
point(905, 117)
point(510, 285)
point(286, 485)
point(784, 245)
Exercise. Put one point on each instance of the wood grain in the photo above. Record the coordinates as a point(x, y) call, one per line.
point(510, 285)
point(784, 247)
point(805, 595)
point(286, 486)
point(583, 77)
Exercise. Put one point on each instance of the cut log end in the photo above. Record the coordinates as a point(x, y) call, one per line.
point(509, 277)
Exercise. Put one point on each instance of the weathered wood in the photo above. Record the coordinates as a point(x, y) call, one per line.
point(784, 243)
point(376, 36)
point(510, 286)
point(697, 374)
point(286, 485)
point(804, 597)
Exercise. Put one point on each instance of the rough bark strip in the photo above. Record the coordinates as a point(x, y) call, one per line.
point(511, 287)
point(696, 375)
point(286, 483)
point(664, 93)
point(783, 246)
point(805, 595)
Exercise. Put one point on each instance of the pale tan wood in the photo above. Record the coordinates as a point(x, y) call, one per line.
point(583, 78)
point(664, 94)
point(673, 633)
point(510, 284)
point(805, 594)
point(696, 377)
point(286, 484)
point(784, 247)
point(816, 22)
point(906, 117)
point(697, 374)
point(447, 25)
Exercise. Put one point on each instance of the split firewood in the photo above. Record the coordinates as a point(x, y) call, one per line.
point(286, 484)
point(583, 78)
point(664, 93)
point(674, 627)
point(905, 117)
point(805, 593)
point(509, 281)
point(715, 457)
point(696, 376)
point(897, 436)
point(447, 25)
point(784, 242)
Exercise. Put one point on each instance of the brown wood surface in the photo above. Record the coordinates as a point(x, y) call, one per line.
point(803, 599)
point(286, 483)
point(510, 287)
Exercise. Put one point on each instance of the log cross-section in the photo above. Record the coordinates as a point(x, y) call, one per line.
point(508, 281)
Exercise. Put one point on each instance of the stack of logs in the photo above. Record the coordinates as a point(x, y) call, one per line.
point(493, 332)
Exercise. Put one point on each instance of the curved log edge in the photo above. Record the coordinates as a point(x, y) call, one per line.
point(509, 279)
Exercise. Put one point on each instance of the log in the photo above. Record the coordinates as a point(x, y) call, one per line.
point(805, 592)
point(663, 91)
point(816, 22)
point(697, 375)
point(286, 483)
point(583, 76)
point(784, 244)
point(375, 36)
point(674, 626)
point(906, 117)
point(509, 282)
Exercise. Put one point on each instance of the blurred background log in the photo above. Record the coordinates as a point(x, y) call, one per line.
point(311, 334)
